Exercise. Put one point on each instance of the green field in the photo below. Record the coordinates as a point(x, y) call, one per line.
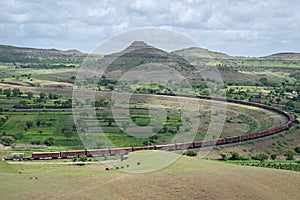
point(239, 120)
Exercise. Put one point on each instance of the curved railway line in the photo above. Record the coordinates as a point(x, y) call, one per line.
point(180, 146)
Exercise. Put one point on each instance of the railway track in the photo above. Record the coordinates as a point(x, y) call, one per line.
point(181, 146)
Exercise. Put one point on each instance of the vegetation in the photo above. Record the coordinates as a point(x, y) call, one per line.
point(26, 92)
point(289, 154)
point(7, 140)
point(190, 153)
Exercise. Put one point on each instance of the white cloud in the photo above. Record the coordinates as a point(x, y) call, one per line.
point(236, 27)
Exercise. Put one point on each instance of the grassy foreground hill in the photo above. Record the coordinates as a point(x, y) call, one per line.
point(187, 178)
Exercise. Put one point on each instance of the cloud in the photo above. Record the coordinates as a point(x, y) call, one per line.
point(247, 27)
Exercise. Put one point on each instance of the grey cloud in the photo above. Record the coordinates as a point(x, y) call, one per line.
point(236, 27)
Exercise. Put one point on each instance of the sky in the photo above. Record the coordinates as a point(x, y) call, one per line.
point(240, 28)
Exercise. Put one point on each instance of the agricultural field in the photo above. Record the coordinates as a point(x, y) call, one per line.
point(40, 124)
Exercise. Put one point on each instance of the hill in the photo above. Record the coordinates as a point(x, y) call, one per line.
point(187, 178)
point(22, 54)
point(139, 53)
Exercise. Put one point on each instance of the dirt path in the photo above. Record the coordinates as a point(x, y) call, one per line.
point(106, 162)
point(5, 147)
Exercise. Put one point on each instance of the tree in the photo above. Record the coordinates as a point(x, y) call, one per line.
point(29, 124)
point(262, 157)
point(67, 132)
point(29, 95)
point(234, 155)
point(43, 95)
point(49, 141)
point(37, 142)
point(7, 92)
point(41, 131)
point(38, 123)
point(7, 140)
point(109, 120)
point(16, 92)
point(82, 158)
point(273, 156)
point(289, 154)
point(297, 149)
point(278, 100)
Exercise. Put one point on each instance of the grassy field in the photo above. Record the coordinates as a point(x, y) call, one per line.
point(187, 178)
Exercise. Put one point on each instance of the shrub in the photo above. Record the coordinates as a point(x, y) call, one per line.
point(261, 157)
point(49, 141)
point(234, 155)
point(224, 156)
point(273, 156)
point(289, 155)
point(74, 159)
point(190, 153)
point(7, 140)
point(37, 142)
point(244, 157)
point(297, 149)
point(82, 158)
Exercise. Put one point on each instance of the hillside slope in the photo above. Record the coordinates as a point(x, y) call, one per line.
point(187, 178)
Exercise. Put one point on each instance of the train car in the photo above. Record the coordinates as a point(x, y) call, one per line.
point(254, 135)
point(185, 145)
point(245, 137)
point(96, 152)
point(114, 151)
point(232, 139)
point(197, 144)
point(143, 148)
point(221, 141)
point(40, 155)
point(66, 154)
point(165, 147)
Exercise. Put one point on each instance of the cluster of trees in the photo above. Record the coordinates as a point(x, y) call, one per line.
point(289, 155)
point(11, 92)
point(48, 141)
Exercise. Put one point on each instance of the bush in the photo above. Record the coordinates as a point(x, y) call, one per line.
point(273, 156)
point(190, 153)
point(224, 156)
point(289, 154)
point(37, 142)
point(7, 140)
point(234, 155)
point(82, 158)
point(261, 157)
point(297, 149)
point(74, 159)
point(49, 141)
point(244, 157)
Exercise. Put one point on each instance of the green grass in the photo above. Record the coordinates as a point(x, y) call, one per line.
point(186, 178)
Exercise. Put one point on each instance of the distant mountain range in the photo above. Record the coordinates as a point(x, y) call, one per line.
point(193, 52)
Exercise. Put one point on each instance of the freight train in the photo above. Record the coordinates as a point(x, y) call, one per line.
point(178, 146)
